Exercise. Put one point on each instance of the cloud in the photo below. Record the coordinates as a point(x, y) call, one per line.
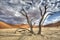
point(9, 12)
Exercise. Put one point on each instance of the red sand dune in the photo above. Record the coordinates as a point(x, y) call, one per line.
point(6, 25)
point(21, 26)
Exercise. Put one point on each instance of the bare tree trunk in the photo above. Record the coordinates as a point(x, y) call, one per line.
point(28, 21)
point(39, 32)
point(30, 24)
point(31, 28)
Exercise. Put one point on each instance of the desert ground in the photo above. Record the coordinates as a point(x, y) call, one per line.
point(48, 33)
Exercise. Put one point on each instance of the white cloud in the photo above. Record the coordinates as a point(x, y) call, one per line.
point(10, 10)
point(22, 2)
point(17, 14)
point(57, 18)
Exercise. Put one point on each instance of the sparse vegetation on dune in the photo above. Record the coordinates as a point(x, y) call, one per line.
point(48, 33)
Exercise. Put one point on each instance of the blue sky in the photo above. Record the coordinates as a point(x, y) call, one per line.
point(9, 11)
point(56, 14)
point(53, 18)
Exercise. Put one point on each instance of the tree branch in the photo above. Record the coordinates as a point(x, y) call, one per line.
point(22, 13)
point(45, 11)
point(46, 17)
point(43, 15)
point(40, 11)
point(22, 10)
point(25, 12)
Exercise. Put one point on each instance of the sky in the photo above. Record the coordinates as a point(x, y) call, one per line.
point(54, 18)
point(9, 11)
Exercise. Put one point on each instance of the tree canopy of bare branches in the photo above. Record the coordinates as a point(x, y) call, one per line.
point(45, 8)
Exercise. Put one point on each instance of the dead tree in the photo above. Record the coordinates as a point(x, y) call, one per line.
point(41, 19)
point(43, 16)
point(43, 13)
point(25, 14)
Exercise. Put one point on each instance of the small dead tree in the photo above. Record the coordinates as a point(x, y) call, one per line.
point(25, 14)
point(43, 15)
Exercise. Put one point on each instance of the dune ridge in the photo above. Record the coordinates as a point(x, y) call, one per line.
point(6, 25)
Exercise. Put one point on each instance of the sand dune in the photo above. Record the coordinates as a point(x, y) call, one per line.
point(6, 25)
point(57, 24)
